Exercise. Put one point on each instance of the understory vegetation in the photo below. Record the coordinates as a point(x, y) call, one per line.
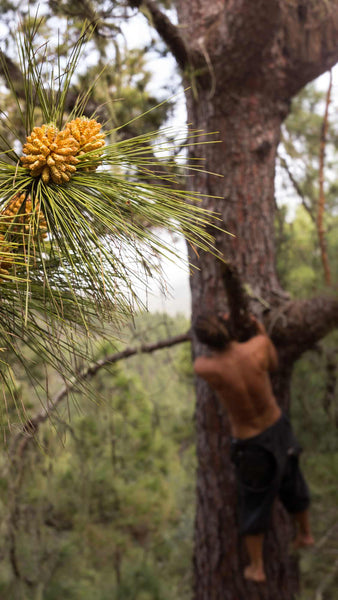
point(101, 504)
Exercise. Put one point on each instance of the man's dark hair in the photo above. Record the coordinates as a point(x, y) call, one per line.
point(212, 330)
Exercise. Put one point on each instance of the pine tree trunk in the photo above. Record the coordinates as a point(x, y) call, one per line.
point(249, 129)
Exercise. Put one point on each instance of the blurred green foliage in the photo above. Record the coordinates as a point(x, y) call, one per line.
point(314, 391)
point(105, 507)
point(298, 256)
point(106, 501)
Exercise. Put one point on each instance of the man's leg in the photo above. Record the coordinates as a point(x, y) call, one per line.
point(255, 570)
point(304, 536)
point(295, 495)
point(257, 488)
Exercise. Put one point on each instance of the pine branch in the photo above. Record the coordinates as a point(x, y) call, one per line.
point(169, 33)
point(31, 426)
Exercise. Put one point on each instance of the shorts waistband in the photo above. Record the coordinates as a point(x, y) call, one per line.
point(262, 435)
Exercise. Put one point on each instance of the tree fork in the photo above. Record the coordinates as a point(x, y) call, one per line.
point(241, 324)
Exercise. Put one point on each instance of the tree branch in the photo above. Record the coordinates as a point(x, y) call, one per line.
point(251, 27)
point(9, 70)
point(297, 188)
point(156, 171)
point(31, 426)
point(241, 325)
point(298, 325)
point(169, 33)
point(227, 37)
point(310, 37)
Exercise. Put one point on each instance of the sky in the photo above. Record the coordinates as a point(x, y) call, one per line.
point(175, 297)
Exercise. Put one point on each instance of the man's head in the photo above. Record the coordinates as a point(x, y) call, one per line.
point(212, 330)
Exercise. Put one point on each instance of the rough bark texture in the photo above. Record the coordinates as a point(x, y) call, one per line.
point(244, 61)
point(249, 124)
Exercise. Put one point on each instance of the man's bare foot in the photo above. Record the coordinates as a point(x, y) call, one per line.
point(255, 574)
point(303, 541)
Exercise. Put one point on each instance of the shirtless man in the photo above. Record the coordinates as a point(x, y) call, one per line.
point(263, 447)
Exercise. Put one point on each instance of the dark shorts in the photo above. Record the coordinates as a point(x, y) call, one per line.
point(267, 466)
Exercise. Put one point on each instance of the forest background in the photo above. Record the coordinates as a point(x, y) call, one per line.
point(105, 503)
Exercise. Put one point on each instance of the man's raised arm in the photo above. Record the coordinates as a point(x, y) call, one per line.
point(272, 357)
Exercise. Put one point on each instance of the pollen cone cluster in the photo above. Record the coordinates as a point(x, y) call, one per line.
point(20, 216)
point(19, 221)
point(53, 154)
point(87, 133)
point(6, 256)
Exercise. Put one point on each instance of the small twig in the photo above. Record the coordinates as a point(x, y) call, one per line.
point(319, 595)
point(325, 537)
point(321, 201)
point(297, 187)
point(169, 32)
point(30, 426)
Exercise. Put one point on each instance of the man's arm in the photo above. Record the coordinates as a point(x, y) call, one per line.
point(204, 367)
point(271, 352)
point(273, 356)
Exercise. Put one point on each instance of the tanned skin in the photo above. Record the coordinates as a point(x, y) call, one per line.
point(240, 376)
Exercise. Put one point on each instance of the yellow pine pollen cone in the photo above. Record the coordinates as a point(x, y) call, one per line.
point(6, 256)
point(50, 153)
point(21, 217)
point(87, 134)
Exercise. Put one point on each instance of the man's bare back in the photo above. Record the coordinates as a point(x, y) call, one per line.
point(240, 376)
point(239, 373)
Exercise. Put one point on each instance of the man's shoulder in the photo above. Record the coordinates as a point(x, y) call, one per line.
point(208, 364)
point(257, 342)
point(201, 363)
point(261, 349)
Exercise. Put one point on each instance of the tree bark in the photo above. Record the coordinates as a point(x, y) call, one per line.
point(249, 127)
